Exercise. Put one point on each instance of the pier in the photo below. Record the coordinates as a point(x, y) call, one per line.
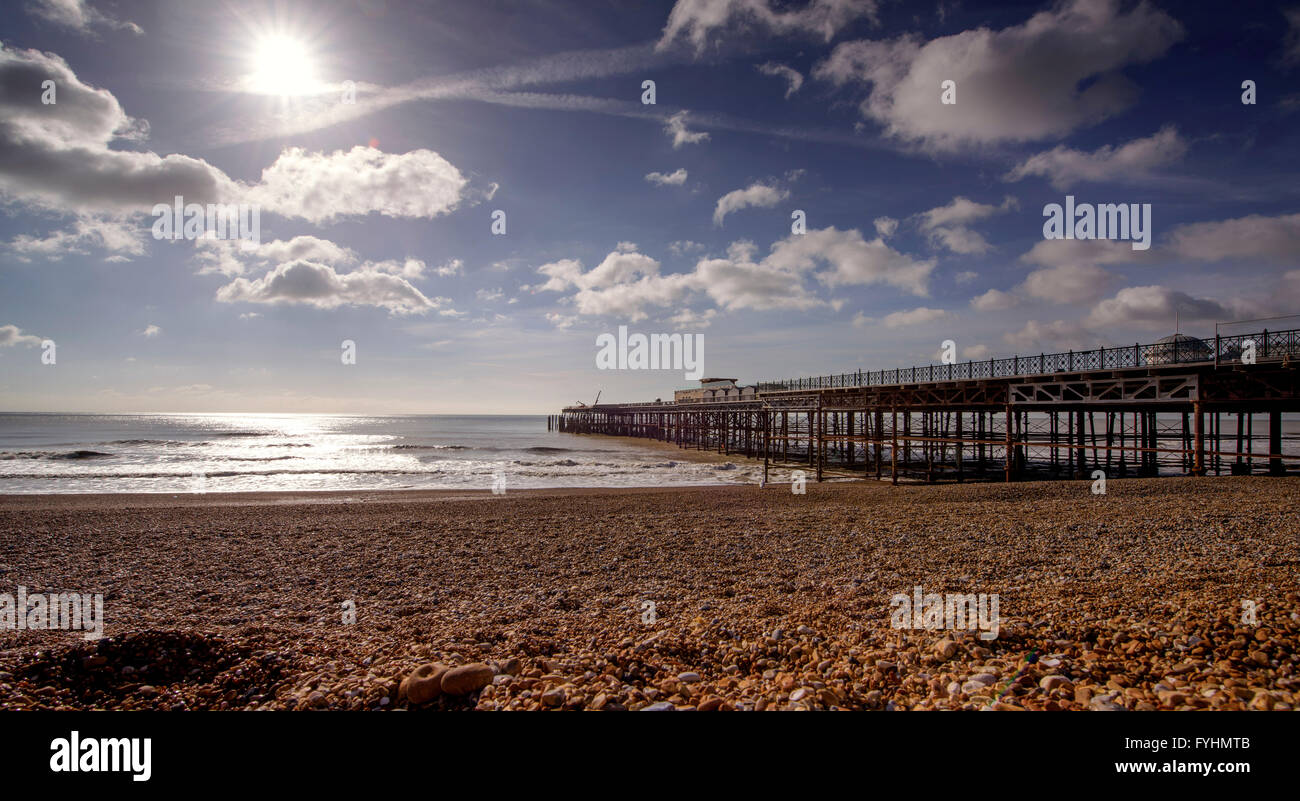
point(1136, 410)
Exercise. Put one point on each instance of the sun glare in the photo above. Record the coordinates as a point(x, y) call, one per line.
point(282, 66)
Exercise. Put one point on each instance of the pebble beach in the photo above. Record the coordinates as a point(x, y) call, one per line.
point(703, 598)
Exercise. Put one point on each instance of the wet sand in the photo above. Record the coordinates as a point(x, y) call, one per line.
point(762, 599)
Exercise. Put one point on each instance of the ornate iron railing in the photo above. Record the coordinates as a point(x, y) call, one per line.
point(1265, 345)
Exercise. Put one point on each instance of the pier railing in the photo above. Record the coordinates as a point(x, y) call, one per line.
point(1267, 345)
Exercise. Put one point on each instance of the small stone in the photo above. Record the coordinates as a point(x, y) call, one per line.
point(661, 706)
point(1262, 701)
point(945, 649)
point(553, 698)
point(688, 677)
point(1171, 697)
point(1105, 703)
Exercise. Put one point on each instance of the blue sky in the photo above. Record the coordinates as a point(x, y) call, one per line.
point(923, 219)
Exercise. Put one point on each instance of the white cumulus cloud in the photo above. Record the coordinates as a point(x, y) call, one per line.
point(11, 335)
point(320, 285)
point(321, 187)
point(754, 195)
point(948, 226)
point(1064, 167)
point(676, 128)
point(793, 79)
point(675, 178)
point(1058, 71)
point(696, 20)
point(78, 15)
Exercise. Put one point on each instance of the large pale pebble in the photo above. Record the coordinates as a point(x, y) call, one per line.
point(424, 684)
point(466, 679)
point(1055, 682)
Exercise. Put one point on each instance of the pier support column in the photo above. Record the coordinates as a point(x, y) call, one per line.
point(1218, 446)
point(821, 443)
point(1081, 453)
point(907, 440)
point(893, 450)
point(1009, 466)
point(960, 447)
point(1123, 454)
point(880, 441)
point(852, 445)
point(812, 424)
point(1198, 461)
point(1275, 467)
point(766, 445)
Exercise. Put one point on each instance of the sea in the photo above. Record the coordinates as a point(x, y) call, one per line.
point(174, 453)
point(171, 453)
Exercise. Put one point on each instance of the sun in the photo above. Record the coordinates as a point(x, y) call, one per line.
point(282, 65)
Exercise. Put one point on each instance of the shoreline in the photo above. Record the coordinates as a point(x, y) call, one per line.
point(111, 500)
